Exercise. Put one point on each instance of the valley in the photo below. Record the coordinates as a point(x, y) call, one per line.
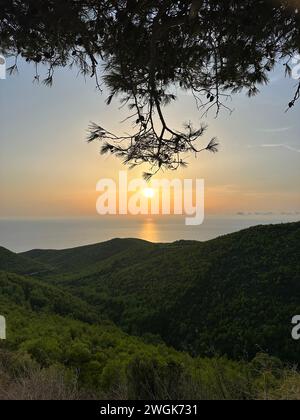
point(120, 310)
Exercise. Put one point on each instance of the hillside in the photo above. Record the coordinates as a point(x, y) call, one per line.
point(15, 263)
point(48, 356)
point(96, 356)
point(233, 295)
point(52, 357)
point(32, 295)
point(75, 259)
point(54, 336)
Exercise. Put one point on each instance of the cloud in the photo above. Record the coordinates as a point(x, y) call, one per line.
point(274, 130)
point(276, 146)
point(280, 146)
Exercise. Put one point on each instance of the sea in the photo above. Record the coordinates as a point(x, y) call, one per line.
point(21, 235)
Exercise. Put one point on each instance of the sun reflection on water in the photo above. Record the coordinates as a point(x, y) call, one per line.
point(149, 231)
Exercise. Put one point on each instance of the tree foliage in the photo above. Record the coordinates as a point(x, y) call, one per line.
point(47, 357)
point(213, 48)
point(234, 295)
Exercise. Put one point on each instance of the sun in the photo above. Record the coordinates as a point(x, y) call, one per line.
point(149, 192)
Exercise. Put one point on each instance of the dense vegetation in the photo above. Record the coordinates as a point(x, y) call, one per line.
point(11, 262)
point(51, 357)
point(230, 299)
point(234, 295)
point(34, 296)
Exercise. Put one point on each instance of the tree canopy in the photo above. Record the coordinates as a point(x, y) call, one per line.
point(141, 49)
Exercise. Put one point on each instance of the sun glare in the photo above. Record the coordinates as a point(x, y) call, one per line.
point(149, 192)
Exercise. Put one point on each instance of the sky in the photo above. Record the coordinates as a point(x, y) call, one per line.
point(47, 169)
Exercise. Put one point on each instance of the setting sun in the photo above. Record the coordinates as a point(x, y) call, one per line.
point(149, 192)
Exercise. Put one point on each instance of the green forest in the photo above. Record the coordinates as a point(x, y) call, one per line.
point(128, 319)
